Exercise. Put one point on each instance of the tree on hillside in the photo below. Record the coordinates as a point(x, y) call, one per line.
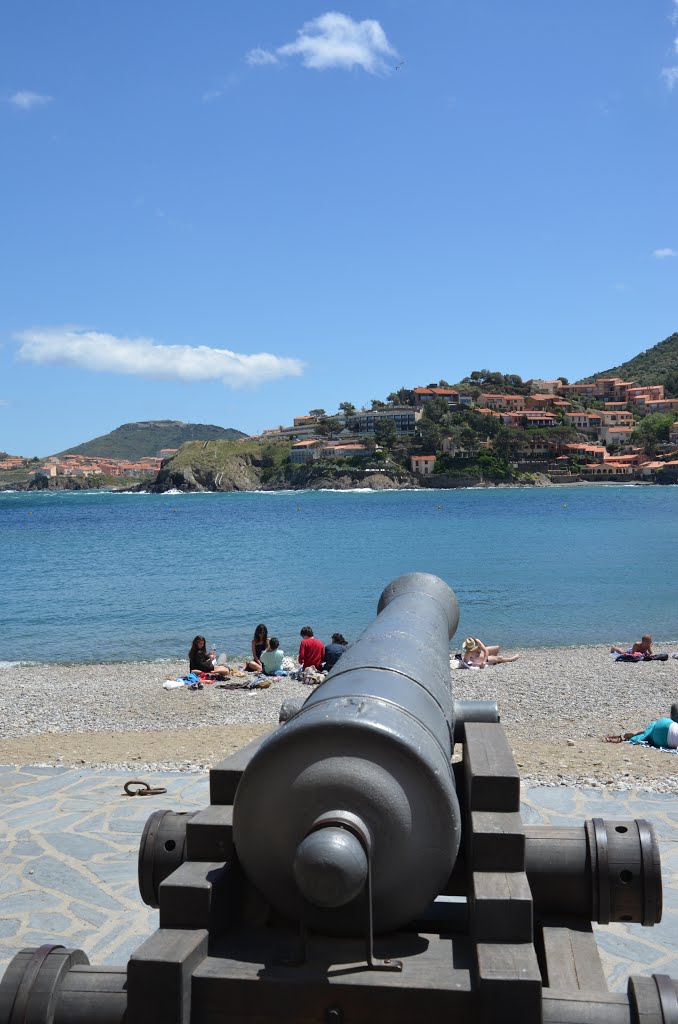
point(400, 397)
point(501, 382)
point(431, 434)
point(507, 441)
point(563, 380)
point(385, 433)
point(435, 423)
point(671, 384)
point(656, 365)
point(437, 410)
point(377, 403)
point(328, 426)
point(348, 408)
point(652, 430)
point(317, 413)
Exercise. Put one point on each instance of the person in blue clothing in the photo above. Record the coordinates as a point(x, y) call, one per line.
point(661, 733)
point(272, 658)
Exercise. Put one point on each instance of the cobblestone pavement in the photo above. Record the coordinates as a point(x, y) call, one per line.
point(69, 841)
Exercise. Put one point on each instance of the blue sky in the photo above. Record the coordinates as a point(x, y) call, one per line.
point(233, 212)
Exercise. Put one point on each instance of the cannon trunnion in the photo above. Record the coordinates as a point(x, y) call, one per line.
point(346, 870)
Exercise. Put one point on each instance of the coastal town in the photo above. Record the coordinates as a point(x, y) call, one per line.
point(491, 428)
point(566, 431)
point(79, 466)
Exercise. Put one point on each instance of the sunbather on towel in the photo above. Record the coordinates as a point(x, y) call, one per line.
point(662, 733)
point(641, 647)
point(477, 655)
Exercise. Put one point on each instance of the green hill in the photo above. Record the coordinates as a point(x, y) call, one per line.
point(657, 365)
point(135, 440)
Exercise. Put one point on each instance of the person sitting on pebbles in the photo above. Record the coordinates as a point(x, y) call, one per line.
point(199, 660)
point(477, 655)
point(272, 658)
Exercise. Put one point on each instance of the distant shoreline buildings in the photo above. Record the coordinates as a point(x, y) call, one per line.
point(549, 404)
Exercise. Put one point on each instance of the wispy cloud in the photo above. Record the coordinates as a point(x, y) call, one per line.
point(212, 94)
point(334, 40)
point(670, 75)
point(661, 254)
point(4, 401)
point(144, 357)
point(25, 99)
point(258, 57)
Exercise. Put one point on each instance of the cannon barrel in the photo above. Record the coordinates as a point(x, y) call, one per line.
point(346, 821)
point(360, 778)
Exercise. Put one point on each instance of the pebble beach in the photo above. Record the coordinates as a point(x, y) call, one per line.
point(556, 705)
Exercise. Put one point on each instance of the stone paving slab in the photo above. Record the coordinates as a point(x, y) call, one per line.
point(69, 841)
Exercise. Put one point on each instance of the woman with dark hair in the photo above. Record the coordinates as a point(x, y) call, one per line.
point(334, 651)
point(259, 644)
point(199, 660)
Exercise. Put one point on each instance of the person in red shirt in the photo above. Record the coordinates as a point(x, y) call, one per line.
point(311, 651)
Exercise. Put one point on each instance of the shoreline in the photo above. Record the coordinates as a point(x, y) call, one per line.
point(177, 661)
point(484, 486)
point(556, 704)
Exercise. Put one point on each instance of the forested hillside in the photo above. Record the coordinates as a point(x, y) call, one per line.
point(657, 365)
point(135, 440)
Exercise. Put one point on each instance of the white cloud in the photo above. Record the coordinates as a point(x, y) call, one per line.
point(144, 357)
point(212, 94)
point(25, 100)
point(670, 75)
point(661, 254)
point(257, 57)
point(4, 401)
point(335, 41)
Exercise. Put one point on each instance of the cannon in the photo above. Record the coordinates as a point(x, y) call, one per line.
point(351, 868)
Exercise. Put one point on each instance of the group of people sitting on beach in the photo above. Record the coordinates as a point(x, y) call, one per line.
point(267, 655)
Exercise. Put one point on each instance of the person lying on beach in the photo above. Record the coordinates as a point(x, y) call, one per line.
point(259, 642)
point(477, 655)
point(272, 658)
point(334, 651)
point(642, 646)
point(199, 660)
point(661, 733)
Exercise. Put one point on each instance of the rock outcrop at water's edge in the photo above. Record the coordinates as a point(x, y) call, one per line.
point(259, 466)
point(245, 476)
point(241, 474)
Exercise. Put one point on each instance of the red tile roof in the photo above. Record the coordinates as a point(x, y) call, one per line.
point(435, 391)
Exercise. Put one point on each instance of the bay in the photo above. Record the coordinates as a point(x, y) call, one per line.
point(96, 577)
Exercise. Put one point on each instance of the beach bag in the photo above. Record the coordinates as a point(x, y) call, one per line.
point(656, 657)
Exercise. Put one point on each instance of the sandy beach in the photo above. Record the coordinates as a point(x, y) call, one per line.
point(556, 705)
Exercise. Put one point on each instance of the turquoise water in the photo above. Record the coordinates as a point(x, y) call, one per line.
point(107, 577)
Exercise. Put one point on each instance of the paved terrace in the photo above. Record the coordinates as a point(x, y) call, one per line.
point(69, 841)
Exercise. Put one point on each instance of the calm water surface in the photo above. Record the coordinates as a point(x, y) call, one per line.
point(105, 577)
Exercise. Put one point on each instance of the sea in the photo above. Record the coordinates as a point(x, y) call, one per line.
point(89, 577)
